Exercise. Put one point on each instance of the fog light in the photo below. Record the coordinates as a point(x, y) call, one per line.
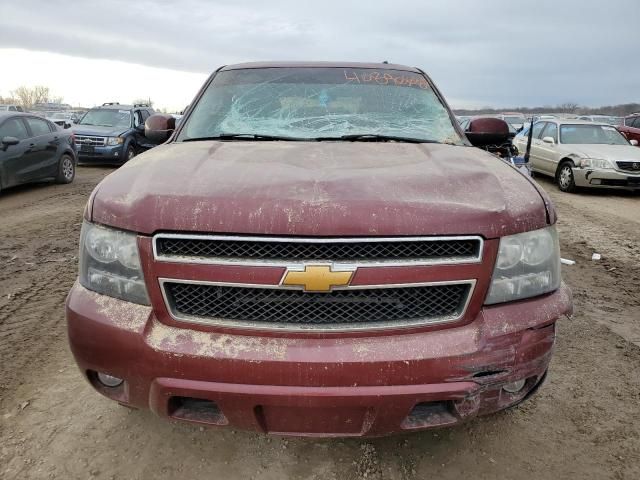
point(109, 381)
point(514, 387)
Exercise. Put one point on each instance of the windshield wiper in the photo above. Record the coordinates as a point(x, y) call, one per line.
point(374, 137)
point(243, 136)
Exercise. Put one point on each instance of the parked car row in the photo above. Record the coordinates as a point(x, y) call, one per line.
point(35, 148)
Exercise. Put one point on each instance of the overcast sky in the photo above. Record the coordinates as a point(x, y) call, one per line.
point(480, 53)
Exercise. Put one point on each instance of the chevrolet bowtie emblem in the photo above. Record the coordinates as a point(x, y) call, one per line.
point(317, 278)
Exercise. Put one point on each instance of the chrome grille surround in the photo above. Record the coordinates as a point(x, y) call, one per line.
point(91, 140)
point(632, 166)
point(209, 317)
point(466, 288)
point(387, 251)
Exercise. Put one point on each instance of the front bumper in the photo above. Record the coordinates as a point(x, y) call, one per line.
point(107, 154)
point(319, 386)
point(606, 178)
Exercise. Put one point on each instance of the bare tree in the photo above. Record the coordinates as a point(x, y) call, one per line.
point(28, 97)
point(7, 100)
point(568, 107)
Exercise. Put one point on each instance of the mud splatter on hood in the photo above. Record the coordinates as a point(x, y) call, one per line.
point(319, 188)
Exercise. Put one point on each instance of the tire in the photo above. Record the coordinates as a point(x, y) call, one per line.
point(66, 169)
point(129, 153)
point(564, 177)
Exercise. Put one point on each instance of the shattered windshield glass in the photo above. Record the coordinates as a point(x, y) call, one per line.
point(326, 103)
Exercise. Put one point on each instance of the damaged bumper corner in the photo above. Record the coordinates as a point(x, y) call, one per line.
point(606, 178)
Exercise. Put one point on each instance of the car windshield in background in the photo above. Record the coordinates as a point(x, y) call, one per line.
point(515, 120)
point(107, 118)
point(591, 135)
point(321, 103)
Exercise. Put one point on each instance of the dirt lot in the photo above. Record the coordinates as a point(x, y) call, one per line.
point(584, 423)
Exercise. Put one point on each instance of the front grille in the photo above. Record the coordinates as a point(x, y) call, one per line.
point(91, 141)
point(630, 166)
point(340, 308)
point(346, 250)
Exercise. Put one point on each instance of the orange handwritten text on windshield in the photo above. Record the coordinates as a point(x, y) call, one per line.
point(386, 78)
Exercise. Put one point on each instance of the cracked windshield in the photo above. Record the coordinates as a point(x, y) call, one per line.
point(321, 103)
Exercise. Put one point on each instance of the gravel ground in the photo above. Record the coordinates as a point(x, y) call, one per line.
point(584, 423)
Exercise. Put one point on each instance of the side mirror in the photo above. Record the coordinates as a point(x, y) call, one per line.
point(549, 140)
point(140, 128)
point(634, 142)
point(9, 141)
point(159, 127)
point(483, 132)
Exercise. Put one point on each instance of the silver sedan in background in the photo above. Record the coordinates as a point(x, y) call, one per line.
point(582, 154)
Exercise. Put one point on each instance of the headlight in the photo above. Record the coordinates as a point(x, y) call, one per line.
point(110, 263)
point(528, 265)
point(595, 163)
point(115, 141)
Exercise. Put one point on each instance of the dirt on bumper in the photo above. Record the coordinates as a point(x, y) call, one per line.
point(315, 386)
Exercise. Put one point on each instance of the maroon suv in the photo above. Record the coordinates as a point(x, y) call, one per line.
point(317, 250)
point(631, 128)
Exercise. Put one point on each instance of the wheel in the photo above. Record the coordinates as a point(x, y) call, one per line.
point(130, 153)
point(565, 178)
point(66, 169)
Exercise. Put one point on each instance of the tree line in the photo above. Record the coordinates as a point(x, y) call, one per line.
point(28, 97)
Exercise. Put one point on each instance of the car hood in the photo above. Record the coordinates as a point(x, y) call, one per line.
point(608, 152)
point(98, 131)
point(319, 189)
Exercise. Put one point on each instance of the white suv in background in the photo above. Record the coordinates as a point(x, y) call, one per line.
point(582, 154)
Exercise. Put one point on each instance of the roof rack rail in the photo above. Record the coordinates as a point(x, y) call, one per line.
point(141, 105)
point(110, 103)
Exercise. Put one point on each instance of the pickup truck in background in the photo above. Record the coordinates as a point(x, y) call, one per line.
point(317, 250)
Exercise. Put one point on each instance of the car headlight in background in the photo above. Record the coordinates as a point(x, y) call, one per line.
point(528, 265)
point(595, 163)
point(115, 141)
point(110, 263)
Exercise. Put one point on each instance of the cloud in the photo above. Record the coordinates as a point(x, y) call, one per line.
point(493, 52)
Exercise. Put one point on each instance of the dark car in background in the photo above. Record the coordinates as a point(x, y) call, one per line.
point(112, 133)
point(631, 127)
point(33, 149)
